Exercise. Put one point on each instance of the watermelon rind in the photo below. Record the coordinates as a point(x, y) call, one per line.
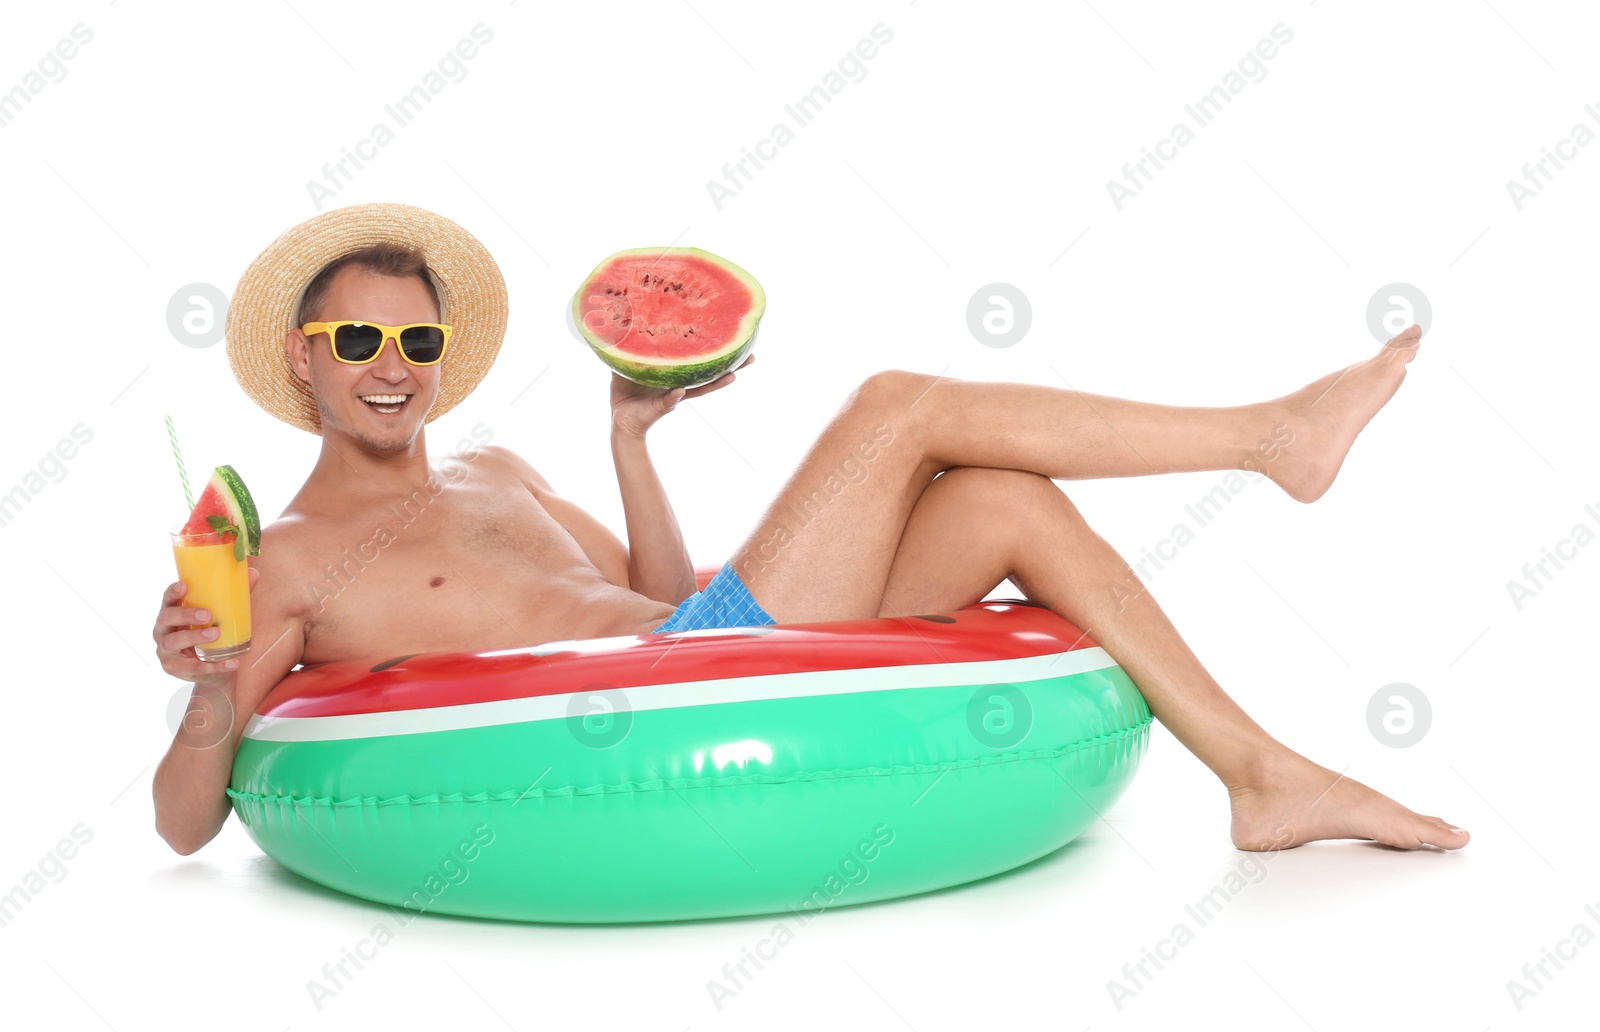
point(241, 507)
point(669, 372)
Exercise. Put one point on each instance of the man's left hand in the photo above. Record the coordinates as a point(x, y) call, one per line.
point(635, 407)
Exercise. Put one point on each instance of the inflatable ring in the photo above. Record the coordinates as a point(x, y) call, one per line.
point(694, 774)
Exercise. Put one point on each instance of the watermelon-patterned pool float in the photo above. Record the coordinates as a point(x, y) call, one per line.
point(694, 774)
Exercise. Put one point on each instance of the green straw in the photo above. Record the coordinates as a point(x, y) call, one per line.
point(177, 456)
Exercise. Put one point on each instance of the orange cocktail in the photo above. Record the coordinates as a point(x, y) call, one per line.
point(216, 580)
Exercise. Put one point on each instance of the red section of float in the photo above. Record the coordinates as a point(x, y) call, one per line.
point(982, 632)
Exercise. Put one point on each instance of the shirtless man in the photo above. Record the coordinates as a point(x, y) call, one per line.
point(498, 560)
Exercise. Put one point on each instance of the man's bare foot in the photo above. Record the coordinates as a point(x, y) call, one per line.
point(1292, 801)
point(1326, 416)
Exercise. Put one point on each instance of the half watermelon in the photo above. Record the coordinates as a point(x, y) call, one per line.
point(669, 317)
point(226, 510)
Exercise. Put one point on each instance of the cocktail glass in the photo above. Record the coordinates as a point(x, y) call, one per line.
point(218, 582)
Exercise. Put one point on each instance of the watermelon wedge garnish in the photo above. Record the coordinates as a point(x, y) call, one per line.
point(669, 317)
point(226, 509)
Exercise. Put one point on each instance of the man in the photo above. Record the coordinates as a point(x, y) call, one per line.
point(482, 554)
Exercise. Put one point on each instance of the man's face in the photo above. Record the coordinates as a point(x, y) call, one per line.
point(360, 401)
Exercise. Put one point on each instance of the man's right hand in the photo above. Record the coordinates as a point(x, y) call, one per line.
point(191, 781)
point(175, 641)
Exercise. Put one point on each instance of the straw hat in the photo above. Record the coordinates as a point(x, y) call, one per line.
point(266, 304)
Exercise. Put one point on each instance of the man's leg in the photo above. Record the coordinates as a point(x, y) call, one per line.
point(974, 527)
point(822, 550)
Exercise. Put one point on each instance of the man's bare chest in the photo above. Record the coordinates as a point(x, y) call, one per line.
point(426, 565)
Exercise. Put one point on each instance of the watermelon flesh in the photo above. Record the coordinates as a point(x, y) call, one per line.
point(210, 504)
point(669, 317)
point(225, 496)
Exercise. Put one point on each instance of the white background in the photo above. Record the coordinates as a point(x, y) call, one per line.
point(976, 149)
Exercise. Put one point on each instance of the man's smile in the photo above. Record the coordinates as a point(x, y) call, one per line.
point(387, 404)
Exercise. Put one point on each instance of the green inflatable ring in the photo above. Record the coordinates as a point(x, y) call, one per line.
point(694, 774)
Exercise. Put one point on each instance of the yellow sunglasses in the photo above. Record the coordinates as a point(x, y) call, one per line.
point(357, 343)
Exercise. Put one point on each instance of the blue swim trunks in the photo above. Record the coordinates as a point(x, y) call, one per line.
point(723, 602)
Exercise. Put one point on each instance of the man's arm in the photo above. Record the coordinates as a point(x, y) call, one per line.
point(190, 789)
point(658, 561)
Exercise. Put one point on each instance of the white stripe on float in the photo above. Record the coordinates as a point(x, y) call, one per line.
point(800, 684)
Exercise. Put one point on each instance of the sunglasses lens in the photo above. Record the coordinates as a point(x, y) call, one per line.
point(422, 344)
point(357, 343)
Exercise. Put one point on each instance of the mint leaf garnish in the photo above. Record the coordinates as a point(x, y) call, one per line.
point(221, 525)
